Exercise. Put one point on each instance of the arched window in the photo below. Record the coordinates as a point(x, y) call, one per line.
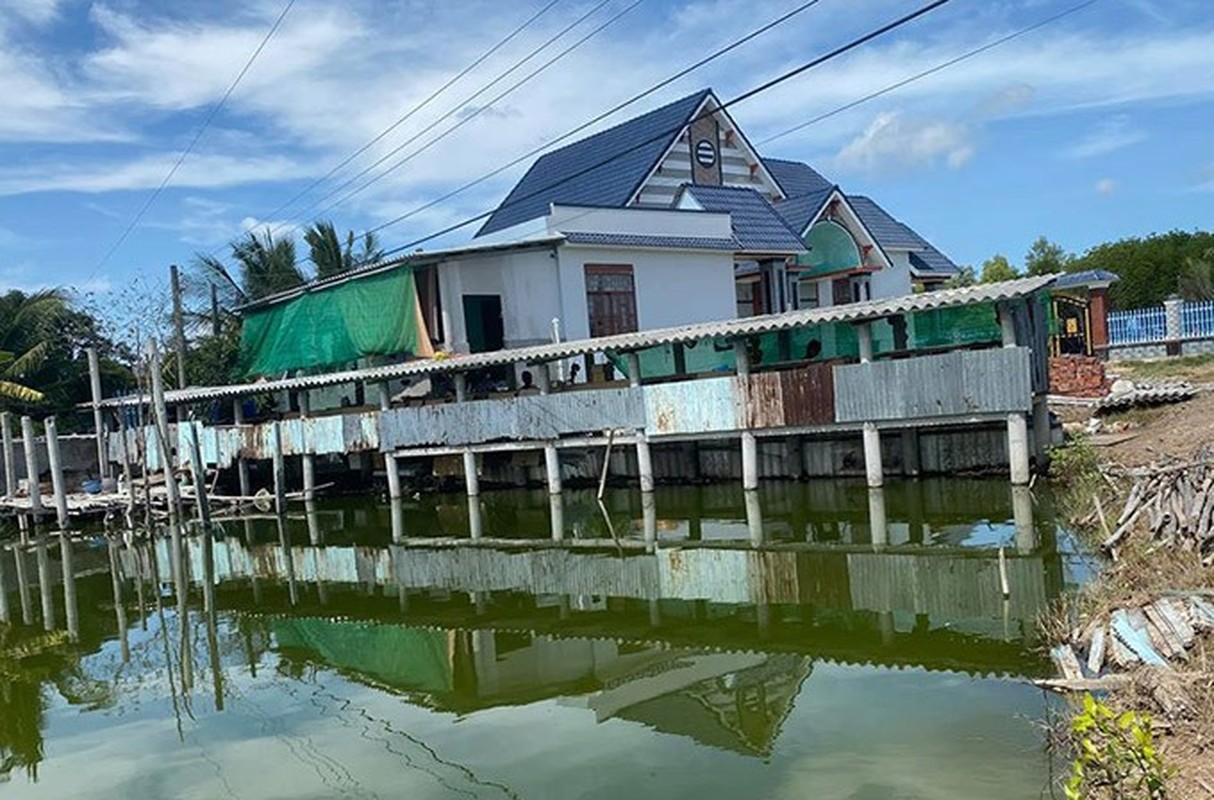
point(831, 249)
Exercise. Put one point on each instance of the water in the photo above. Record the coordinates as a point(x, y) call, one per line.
point(849, 658)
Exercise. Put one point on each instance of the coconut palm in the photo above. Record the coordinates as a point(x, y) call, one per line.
point(267, 266)
point(27, 327)
point(332, 257)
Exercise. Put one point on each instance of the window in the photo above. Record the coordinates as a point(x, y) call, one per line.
point(611, 302)
point(807, 294)
point(750, 298)
point(861, 290)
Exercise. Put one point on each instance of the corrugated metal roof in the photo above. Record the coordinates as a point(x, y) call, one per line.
point(555, 178)
point(642, 240)
point(724, 329)
point(756, 225)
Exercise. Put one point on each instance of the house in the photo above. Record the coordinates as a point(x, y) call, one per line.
point(669, 218)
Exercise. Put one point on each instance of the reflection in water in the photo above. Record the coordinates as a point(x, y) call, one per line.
point(737, 633)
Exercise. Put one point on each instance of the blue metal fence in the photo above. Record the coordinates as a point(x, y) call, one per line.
point(1197, 319)
point(1137, 326)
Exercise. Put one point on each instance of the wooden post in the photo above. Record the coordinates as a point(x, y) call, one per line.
point(750, 447)
point(307, 458)
point(56, 463)
point(70, 608)
point(198, 470)
point(160, 412)
point(280, 472)
point(471, 476)
point(873, 468)
point(390, 467)
point(242, 463)
point(103, 456)
point(30, 445)
point(10, 461)
point(178, 324)
point(128, 475)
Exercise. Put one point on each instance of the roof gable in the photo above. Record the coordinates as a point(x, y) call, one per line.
point(601, 170)
point(796, 178)
point(890, 233)
point(756, 225)
point(798, 212)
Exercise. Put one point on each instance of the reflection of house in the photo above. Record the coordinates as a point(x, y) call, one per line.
point(670, 218)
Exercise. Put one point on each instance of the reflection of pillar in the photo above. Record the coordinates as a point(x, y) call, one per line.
point(481, 601)
point(556, 515)
point(5, 613)
point(284, 541)
point(877, 521)
point(1022, 513)
point(119, 606)
point(484, 659)
point(885, 621)
point(254, 578)
point(649, 518)
point(314, 534)
point(564, 607)
point(655, 613)
point(763, 617)
point(44, 583)
point(212, 617)
point(914, 513)
point(70, 608)
point(754, 518)
point(695, 521)
point(23, 586)
point(910, 452)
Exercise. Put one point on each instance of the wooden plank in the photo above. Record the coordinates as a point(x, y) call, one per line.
point(1203, 612)
point(1068, 665)
point(1122, 656)
point(1174, 615)
point(1096, 652)
point(1161, 635)
point(1130, 629)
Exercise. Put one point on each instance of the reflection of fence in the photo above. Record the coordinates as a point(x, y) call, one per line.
point(1137, 326)
point(1197, 319)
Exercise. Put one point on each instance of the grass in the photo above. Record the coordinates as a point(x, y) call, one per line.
point(1196, 369)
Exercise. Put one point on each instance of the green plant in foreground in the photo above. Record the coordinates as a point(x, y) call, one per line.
point(1116, 756)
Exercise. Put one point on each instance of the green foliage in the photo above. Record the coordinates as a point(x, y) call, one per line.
point(1076, 463)
point(1149, 267)
point(1196, 280)
point(1115, 756)
point(997, 268)
point(1045, 258)
point(331, 257)
point(965, 277)
point(214, 360)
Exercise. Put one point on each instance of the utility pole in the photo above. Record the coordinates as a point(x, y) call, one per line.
point(214, 310)
point(178, 324)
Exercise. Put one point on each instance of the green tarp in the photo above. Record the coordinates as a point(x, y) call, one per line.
point(371, 316)
point(403, 658)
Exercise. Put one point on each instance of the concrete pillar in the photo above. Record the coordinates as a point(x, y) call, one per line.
point(99, 428)
point(30, 445)
point(1041, 429)
point(556, 509)
point(315, 537)
point(552, 469)
point(864, 333)
point(308, 459)
point(754, 518)
point(649, 518)
point(280, 472)
point(57, 479)
point(475, 522)
point(634, 369)
point(910, 452)
point(1173, 327)
point(1018, 448)
point(390, 468)
point(644, 463)
point(878, 522)
point(471, 474)
point(873, 468)
point(397, 510)
point(750, 461)
point(1022, 515)
point(10, 460)
point(242, 463)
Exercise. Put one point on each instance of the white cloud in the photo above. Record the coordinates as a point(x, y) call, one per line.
point(1108, 136)
point(1106, 186)
point(38, 12)
point(894, 142)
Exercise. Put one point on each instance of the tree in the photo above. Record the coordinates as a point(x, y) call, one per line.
point(1046, 258)
point(266, 267)
point(27, 323)
point(997, 268)
point(331, 257)
point(1149, 267)
point(1196, 280)
point(965, 277)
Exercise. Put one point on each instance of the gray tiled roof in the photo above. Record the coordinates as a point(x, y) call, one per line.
point(796, 178)
point(756, 225)
point(1071, 280)
point(890, 233)
point(601, 170)
point(798, 211)
point(639, 240)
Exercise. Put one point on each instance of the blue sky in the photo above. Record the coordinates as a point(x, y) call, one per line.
point(1093, 128)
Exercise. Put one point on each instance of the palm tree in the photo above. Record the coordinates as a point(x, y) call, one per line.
point(333, 257)
point(266, 267)
point(1196, 280)
point(27, 324)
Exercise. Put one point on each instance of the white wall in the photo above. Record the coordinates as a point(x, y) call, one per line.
point(894, 282)
point(527, 283)
point(655, 222)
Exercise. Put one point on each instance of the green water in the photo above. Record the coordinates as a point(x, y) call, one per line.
point(845, 658)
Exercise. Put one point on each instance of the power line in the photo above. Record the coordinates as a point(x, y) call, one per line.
point(933, 70)
point(614, 109)
point(411, 112)
point(452, 111)
point(481, 109)
point(193, 142)
point(763, 87)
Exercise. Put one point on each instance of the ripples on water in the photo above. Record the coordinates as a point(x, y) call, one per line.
point(865, 650)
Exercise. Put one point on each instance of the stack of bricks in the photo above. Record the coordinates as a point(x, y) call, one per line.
point(1078, 376)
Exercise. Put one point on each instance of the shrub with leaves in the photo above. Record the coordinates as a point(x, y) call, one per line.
point(1116, 756)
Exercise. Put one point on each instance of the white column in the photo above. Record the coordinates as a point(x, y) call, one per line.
point(552, 461)
point(56, 463)
point(308, 459)
point(1018, 448)
point(242, 463)
point(864, 332)
point(103, 459)
point(878, 523)
point(10, 461)
point(1007, 325)
point(390, 468)
point(872, 455)
point(750, 448)
point(471, 476)
point(30, 445)
point(754, 517)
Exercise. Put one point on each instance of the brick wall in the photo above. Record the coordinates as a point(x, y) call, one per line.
point(1078, 376)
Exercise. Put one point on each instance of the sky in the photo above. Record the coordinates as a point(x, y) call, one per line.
point(1092, 128)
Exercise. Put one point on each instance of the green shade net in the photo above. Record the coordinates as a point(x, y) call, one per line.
point(831, 249)
point(403, 658)
point(371, 316)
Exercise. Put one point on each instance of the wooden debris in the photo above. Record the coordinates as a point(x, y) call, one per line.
point(1095, 661)
point(1176, 500)
point(1067, 663)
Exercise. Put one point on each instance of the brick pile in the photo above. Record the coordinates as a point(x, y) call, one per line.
point(1078, 376)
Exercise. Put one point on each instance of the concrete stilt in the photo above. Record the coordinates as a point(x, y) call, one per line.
point(10, 461)
point(864, 336)
point(242, 463)
point(878, 522)
point(750, 461)
point(5, 612)
point(471, 474)
point(397, 510)
point(475, 522)
point(873, 468)
point(308, 459)
point(100, 431)
point(649, 518)
point(1022, 514)
point(910, 452)
point(57, 480)
point(280, 472)
point(30, 445)
point(552, 469)
point(754, 518)
point(315, 537)
point(1018, 448)
point(556, 515)
point(644, 464)
point(390, 468)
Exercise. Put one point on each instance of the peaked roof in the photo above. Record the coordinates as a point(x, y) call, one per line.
point(798, 212)
point(569, 176)
point(756, 225)
point(796, 178)
point(890, 233)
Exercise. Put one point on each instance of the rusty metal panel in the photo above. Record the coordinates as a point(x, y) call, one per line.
point(773, 577)
point(964, 382)
point(764, 400)
point(518, 418)
point(808, 395)
point(711, 404)
point(361, 431)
